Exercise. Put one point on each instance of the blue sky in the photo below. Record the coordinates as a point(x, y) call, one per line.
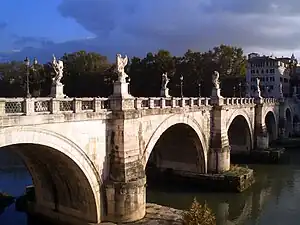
point(39, 19)
point(135, 27)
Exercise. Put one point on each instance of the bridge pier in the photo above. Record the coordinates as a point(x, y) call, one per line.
point(126, 185)
point(261, 133)
point(219, 153)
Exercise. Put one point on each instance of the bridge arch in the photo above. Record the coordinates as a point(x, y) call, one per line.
point(271, 125)
point(186, 127)
point(289, 121)
point(240, 132)
point(65, 180)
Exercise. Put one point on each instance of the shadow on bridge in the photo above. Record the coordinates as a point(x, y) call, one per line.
point(178, 149)
point(61, 187)
point(239, 136)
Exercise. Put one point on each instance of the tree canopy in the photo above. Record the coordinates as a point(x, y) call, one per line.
point(88, 74)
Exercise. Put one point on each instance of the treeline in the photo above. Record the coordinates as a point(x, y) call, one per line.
point(88, 74)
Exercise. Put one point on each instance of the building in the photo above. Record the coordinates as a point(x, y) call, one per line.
point(271, 71)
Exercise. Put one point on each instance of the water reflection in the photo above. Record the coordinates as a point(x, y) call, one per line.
point(273, 199)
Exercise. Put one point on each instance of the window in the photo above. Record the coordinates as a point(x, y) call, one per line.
point(262, 71)
point(280, 79)
point(267, 71)
point(267, 78)
point(272, 71)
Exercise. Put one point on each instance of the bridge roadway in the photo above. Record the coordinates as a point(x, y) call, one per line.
point(87, 156)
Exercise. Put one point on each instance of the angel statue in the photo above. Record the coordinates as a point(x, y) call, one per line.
point(165, 81)
point(58, 67)
point(258, 87)
point(215, 79)
point(121, 63)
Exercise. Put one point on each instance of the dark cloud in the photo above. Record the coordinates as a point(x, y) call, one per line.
point(138, 26)
point(182, 24)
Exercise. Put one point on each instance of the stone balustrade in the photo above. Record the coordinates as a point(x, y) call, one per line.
point(270, 100)
point(29, 106)
point(238, 101)
point(151, 103)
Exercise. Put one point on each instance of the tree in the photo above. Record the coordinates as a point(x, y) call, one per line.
point(146, 73)
point(199, 215)
point(86, 74)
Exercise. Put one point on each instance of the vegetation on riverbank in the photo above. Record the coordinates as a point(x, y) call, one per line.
point(199, 215)
point(236, 170)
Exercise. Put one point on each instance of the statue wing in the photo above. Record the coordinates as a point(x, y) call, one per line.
point(125, 60)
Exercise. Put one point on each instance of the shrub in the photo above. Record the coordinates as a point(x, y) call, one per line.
point(199, 215)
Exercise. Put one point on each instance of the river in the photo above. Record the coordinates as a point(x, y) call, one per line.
point(273, 199)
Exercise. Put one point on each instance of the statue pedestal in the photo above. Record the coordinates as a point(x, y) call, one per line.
point(57, 91)
point(121, 90)
point(216, 98)
point(164, 92)
point(121, 99)
point(216, 93)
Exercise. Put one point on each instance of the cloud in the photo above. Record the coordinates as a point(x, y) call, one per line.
point(181, 24)
point(138, 26)
point(21, 42)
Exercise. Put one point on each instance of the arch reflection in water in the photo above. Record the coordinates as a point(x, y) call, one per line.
point(269, 198)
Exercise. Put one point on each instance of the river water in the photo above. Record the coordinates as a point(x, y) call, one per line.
point(273, 199)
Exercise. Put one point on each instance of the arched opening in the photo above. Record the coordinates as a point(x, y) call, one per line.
point(239, 136)
point(61, 187)
point(271, 126)
point(288, 124)
point(179, 149)
point(296, 125)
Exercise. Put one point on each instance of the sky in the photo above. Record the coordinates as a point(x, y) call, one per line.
point(134, 27)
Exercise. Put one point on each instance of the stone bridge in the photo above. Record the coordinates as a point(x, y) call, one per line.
point(87, 156)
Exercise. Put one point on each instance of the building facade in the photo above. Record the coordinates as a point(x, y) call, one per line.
point(272, 72)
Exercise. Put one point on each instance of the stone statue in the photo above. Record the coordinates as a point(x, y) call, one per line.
point(58, 67)
point(121, 63)
point(165, 81)
point(164, 91)
point(258, 92)
point(215, 80)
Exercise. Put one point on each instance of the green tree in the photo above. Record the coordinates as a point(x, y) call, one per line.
point(145, 74)
point(87, 74)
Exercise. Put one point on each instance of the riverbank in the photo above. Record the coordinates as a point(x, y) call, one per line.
point(157, 215)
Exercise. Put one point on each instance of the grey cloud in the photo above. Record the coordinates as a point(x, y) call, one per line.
point(183, 24)
point(138, 26)
point(31, 41)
